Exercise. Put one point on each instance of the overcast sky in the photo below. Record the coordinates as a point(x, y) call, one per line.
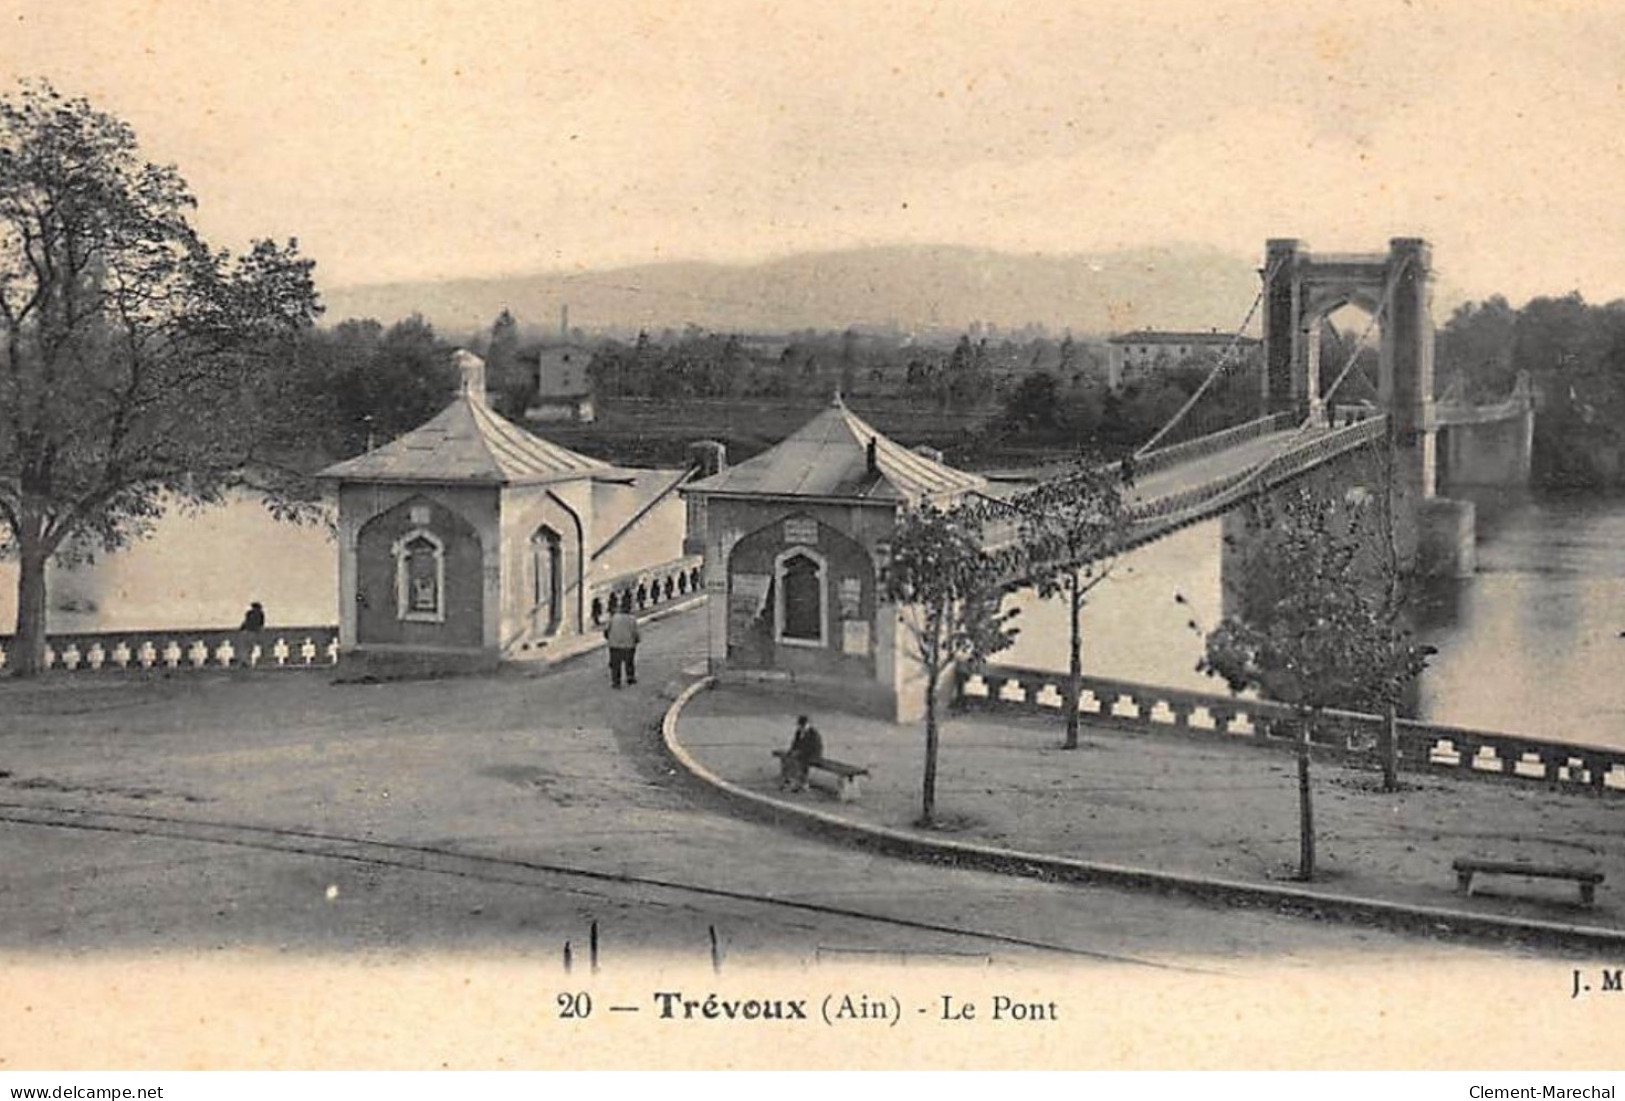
point(417, 139)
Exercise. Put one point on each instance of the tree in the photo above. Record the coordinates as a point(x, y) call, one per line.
point(1068, 353)
point(947, 593)
point(370, 384)
point(135, 361)
point(1035, 404)
point(1315, 628)
point(1572, 352)
point(849, 361)
point(1474, 349)
point(1404, 658)
point(513, 385)
point(1070, 531)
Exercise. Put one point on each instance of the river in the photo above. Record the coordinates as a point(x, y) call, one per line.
point(1535, 640)
point(200, 568)
point(1532, 643)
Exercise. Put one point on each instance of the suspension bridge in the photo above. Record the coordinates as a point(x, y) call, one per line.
point(1216, 451)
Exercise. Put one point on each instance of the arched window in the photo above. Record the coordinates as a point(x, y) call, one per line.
point(420, 577)
point(800, 612)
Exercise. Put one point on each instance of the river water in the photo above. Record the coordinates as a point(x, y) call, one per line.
point(1532, 643)
point(1535, 640)
point(200, 568)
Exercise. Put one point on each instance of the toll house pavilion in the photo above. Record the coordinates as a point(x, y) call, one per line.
point(469, 540)
point(794, 540)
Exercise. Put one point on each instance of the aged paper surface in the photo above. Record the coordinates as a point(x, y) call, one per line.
point(1218, 124)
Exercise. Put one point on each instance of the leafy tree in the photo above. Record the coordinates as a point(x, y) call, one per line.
point(1035, 404)
point(135, 361)
point(377, 383)
point(1070, 531)
point(1083, 409)
point(1405, 659)
point(849, 361)
point(1317, 626)
point(1574, 354)
point(1135, 411)
point(1473, 351)
point(1554, 336)
point(1068, 352)
point(737, 370)
point(321, 389)
point(947, 592)
point(513, 386)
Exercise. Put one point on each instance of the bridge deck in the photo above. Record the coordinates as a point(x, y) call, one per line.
point(1181, 477)
point(1169, 497)
point(1219, 466)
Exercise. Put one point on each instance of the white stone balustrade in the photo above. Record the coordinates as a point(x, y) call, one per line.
point(1340, 734)
point(186, 650)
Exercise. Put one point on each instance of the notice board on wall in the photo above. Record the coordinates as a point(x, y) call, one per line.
point(747, 599)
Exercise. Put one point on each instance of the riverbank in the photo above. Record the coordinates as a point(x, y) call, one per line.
point(1190, 807)
point(291, 872)
point(539, 772)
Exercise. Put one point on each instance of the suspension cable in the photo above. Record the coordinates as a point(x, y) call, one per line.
point(1308, 421)
point(1225, 361)
point(1354, 356)
point(1376, 316)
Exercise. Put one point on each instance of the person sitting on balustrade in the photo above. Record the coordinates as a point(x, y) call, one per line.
point(253, 623)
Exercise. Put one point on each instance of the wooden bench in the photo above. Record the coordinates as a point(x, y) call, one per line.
point(842, 778)
point(1467, 867)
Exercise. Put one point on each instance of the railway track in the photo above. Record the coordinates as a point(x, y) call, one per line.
point(540, 875)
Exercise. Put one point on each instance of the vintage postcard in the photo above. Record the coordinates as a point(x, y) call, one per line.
point(623, 535)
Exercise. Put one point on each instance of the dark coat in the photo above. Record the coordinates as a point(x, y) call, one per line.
point(808, 744)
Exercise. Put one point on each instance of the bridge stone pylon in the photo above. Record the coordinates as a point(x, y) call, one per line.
point(1302, 289)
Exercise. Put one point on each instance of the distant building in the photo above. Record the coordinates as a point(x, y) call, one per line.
point(1131, 356)
point(563, 388)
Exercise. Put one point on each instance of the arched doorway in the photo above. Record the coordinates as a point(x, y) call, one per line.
point(802, 595)
point(546, 573)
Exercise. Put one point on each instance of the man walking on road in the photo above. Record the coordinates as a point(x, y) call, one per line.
point(622, 634)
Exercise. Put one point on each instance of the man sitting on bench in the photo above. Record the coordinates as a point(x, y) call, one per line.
point(805, 748)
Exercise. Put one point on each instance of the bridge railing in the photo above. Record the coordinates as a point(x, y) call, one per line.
point(1340, 735)
point(1149, 520)
point(1453, 410)
point(187, 649)
point(1318, 449)
point(1211, 444)
point(649, 588)
point(1450, 413)
point(1201, 501)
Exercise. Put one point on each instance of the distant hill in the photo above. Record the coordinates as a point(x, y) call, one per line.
point(914, 287)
